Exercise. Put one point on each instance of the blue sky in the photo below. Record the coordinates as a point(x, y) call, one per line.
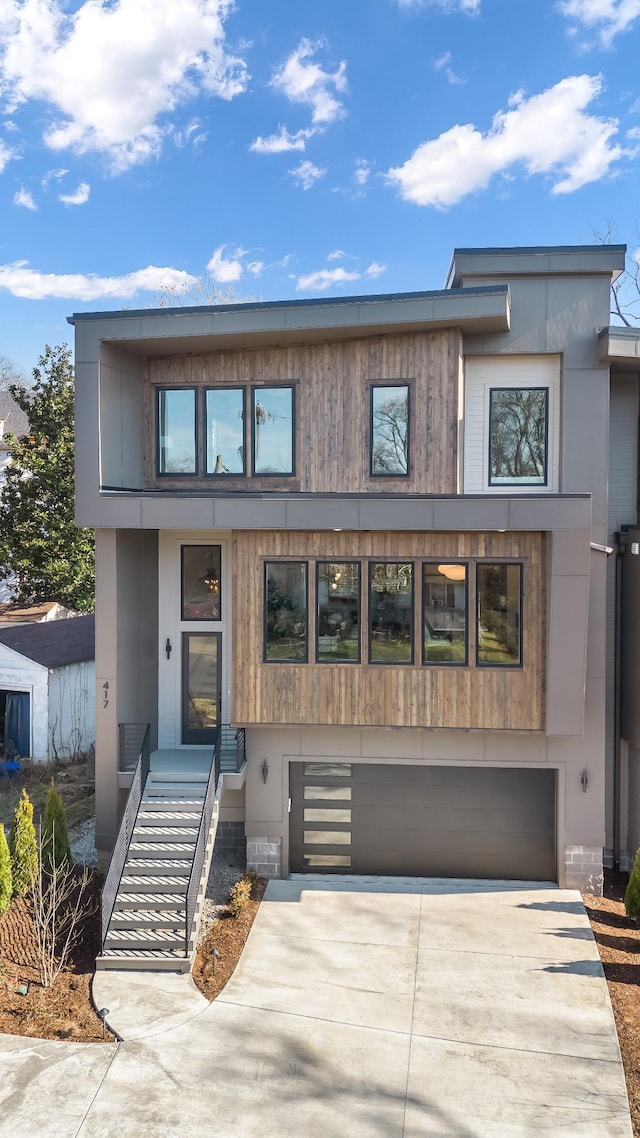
point(286, 150)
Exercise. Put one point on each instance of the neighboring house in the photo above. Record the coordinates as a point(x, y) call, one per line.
point(47, 688)
point(34, 614)
point(372, 533)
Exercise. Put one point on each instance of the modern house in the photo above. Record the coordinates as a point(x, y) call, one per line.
point(370, 536)
point(47, 688)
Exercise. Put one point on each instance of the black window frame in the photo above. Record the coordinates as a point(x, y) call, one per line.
point(198, 736)
point(519, 481)
point(375, 385)
point(445, 663)
point(372, 562)
point(242, 387)
point(160, 390)
point(519, 665)
point(284, 561)
point(256, 389)
point(335, 561)
point(199, 545)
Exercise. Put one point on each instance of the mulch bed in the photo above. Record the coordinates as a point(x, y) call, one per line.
point(228, 935)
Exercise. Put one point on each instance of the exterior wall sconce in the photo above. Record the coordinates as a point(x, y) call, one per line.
point(167, 647)
point(264, 770)
point(584, 780)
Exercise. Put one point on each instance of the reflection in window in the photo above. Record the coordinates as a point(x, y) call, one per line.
point(225, 430)
point(338, 593)
point(286, 610)
point(390, 430)
point(273, 430)
point(200, 686)
point(176, 431)
point(518, 435)
point(201, 582)
point(499, 601)
point(391, 613)
point(445, 614)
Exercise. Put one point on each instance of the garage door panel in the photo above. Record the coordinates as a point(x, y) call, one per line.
point(424, 821)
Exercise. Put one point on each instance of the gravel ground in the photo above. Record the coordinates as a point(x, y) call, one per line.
point(82, 840)
point(225, 871)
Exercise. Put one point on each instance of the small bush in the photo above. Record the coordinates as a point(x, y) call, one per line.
point(6, 877)
point(239, 896)
point(24, 847)
point(55, 841)
point(632, 893)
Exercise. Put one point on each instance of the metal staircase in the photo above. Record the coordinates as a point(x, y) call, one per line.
point(152, 895)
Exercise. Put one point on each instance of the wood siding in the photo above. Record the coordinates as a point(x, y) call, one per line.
point(389, 695)
point(332, 384)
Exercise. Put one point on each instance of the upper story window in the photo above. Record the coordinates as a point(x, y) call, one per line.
point(518, 420)
point(225, 419)
point(389, 448)
point(285, 634)
point(177, 449)
point(390, 613)
point(338, 601)
point(273, 442)
point(512, 424)
point(444, 596)
point(201, 582)
point(499, 600)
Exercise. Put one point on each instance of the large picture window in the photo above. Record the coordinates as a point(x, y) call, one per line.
point(273, 441)
point(499, 601)
point(390, 613)
point(389, 449)
point(518, 435)
point(225, 430)
point(285, 634)
point(338, 600)
point(176, 417)
point(201, 582)
point(444, 597)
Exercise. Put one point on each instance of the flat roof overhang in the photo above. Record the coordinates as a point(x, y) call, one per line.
point(168, 331)
point(620, 348)
point(535, 260)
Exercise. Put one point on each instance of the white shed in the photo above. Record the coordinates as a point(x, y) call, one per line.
point(47, 689)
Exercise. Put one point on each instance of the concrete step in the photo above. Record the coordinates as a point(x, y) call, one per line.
point(128, 960)
point(159, 850)
point(139, 940)
point(156, 901)
point(132, 882)
point(141, 866)
point(149, 920)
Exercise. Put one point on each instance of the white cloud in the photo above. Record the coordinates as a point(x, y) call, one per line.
point(79, 197)
point(110, 71)
point(52, 175)
point(20, 280)
point(306, 174)
point(607, 17)
point(363, 172)
point(468, 7)
point(375, 270)
point(25, 198)
point(324, 278)
point(255, 268)
point(443, 63)
point(304, 81)
point(225, 272)
point(337, 255)
point(6, 154)
point(281, 142)
point(549, 134)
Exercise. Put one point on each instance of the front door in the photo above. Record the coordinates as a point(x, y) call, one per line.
point(201, 686)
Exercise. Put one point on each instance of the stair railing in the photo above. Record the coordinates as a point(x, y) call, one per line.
point(200, 848)
point(125, 833)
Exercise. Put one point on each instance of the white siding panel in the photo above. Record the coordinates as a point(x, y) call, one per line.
point(17, 673)
point(72, 709)
point(481, 374)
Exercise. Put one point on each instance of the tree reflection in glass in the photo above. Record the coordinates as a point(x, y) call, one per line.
point(390, 430)
point(391, 613)
point(338, 593)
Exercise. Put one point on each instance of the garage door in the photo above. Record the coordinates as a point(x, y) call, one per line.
point(423, 821)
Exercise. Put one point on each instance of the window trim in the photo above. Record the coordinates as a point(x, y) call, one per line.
point(389, 384)
point(519, 664)
point(257, 387)
point(446, 663)
point(242, 388)
point(345, 561)
point(519, 482)
point(391, 561)
point(284, 561)
point(160, 389)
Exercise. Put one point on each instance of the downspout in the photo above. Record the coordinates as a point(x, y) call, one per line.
point(620, 550)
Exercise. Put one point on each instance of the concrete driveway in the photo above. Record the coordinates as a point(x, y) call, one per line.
point(361, 1007)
